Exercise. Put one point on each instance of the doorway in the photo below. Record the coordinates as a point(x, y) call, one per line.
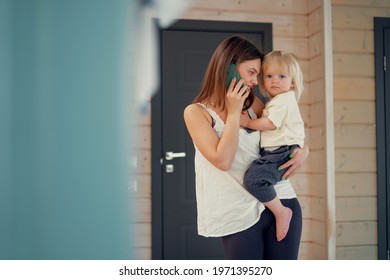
point(382, 85)
point(186, 48)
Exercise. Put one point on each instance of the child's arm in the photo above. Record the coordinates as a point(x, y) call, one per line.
point(261, 124)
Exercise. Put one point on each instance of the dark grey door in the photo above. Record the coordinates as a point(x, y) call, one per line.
point(386, 35)
point(382, 83)
point(185, 53)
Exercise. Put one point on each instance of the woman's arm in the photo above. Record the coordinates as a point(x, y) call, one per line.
point(219, 151)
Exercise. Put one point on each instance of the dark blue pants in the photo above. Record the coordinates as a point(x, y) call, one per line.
point(263, 173)
point(259, 241)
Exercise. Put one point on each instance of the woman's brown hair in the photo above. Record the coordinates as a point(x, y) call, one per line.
point(235, 49)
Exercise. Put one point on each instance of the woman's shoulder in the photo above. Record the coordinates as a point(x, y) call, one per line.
point(193, 108)
point(195, 111)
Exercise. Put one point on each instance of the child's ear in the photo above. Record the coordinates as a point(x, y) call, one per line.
point(292, 84)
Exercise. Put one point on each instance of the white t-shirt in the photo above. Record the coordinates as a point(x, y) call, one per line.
point(224, 205)
point(283, 111)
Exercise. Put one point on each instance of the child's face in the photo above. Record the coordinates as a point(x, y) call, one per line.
point(277, 79)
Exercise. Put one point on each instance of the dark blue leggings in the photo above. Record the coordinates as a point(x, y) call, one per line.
point(259, 241)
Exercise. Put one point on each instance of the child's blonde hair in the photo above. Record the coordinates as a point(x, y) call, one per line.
point(291, 61)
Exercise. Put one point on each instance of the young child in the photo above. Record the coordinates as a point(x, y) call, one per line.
point(282, 132)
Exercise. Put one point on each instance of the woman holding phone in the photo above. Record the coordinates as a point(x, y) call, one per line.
point(224, 152)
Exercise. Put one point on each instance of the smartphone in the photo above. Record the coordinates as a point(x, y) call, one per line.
point(232, 73)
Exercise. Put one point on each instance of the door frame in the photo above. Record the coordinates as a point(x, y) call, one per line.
point(383, 180)
point(156, 118)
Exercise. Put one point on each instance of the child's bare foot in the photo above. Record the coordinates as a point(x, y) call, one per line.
point(283, 219)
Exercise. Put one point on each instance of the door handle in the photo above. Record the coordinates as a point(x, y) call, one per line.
point(172, 155)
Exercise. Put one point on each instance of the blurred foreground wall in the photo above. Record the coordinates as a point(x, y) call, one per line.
point(63, 162)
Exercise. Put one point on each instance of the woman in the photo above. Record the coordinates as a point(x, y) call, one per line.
point(224, 152)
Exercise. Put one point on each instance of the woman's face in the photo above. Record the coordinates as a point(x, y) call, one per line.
point(250, 70)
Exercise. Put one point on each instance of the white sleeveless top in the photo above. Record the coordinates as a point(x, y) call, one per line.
point(224, 205)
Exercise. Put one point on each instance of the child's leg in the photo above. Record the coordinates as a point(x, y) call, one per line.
point(282, 215)
point(260, 179)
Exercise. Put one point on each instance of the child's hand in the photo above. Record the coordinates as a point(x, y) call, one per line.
point(244, 119)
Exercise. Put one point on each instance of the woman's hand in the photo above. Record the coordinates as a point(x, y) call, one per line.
point(219, 151)
point(298, 158)
point(244, 119)
point(235, 96)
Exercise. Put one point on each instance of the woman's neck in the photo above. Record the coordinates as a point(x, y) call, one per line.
point(222, 113)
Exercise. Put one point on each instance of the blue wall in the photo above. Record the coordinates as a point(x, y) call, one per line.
point(63, 192)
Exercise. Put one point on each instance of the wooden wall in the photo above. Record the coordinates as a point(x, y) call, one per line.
point(354, 112)
point(319, 223)
point(290, 32)
point(140, 187)
point(298, 26)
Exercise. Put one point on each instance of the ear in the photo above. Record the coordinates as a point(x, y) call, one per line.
point(292, 84)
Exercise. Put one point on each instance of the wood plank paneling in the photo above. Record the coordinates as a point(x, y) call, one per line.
point(305, 97)
point(313, 5)
point(312, 251)
point(144, 119)
point(354, 88)
point(319, 233)
point(355, 17)
point(317, 115)
point(299, 46)
point(316, 44)
point(142, 137)
point(356, 184)
point(306, 230)
point(317, 91)
point(264, 6)
point(305, 113)
point(306, 207)
point(141, 210)
point(357, 252)
point(140, 186)
point(352, 233)
point(140, 161)
point(362, 3)
point(355, 209)
point(315, 21)
point(355, 136)
point(317, 138)
point(355, 160)
point(353, 41)
point(317, 161)
point(141, 235)
point(316, 66)
point(357, 112)
point(282, 25)
point(302, 184)
point(318, 208)
point(306, 251)
point(355, 131)
point(318, 185)
point(347, 65)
